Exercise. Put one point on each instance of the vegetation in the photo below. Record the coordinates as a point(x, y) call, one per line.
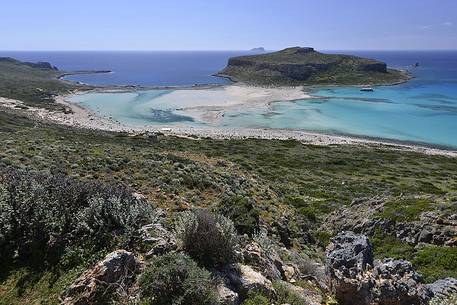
point(408, 209)
point(176, 279)
point(304, 66)
point(32, 85)
point(284, 295)
point(432, 262)
point(66, 199)
point(208, 238)
point(45, 217)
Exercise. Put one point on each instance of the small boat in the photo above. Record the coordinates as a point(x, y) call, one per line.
point(367, 89)
point(416, 65)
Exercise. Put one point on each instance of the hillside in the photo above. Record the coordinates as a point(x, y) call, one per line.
point(93, 217)
point(305, 66)
point(33, 83)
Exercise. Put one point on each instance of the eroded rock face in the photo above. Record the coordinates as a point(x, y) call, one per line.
point(348, 257)
point(396, 282)
point(115, 273)
point(356, 279)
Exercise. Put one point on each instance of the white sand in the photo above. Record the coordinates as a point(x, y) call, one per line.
point(210, 104)
point(83, 118)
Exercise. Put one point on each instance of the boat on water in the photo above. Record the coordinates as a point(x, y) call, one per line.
point(367, 89)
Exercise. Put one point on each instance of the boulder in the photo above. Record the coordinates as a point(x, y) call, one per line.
point(443, 289)
point(116, 273)
point(245, 279)
point(348, 257)
point(396, 283)
point(159, 239)
point(355, 278)
point(268, 263)
point(226, 296)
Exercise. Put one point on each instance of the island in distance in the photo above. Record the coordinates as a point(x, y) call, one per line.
point(259, 49)
point(305, 66)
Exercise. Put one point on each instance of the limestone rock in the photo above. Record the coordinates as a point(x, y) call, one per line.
point(226, 296)
point(160, 239)
point(396, 282)
point(348, 256)
point(356, 279)
point(268, 263)
point(115, 273)
point(245, 279)
point(444, 288)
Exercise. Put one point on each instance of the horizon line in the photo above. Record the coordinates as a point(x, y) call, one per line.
point(211, 50)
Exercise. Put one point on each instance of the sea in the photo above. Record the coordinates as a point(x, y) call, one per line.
point(423, 110)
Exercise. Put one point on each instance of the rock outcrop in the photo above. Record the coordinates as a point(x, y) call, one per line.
point(115, 274)
point(356, 278)
point(363, 217)
point(159, 240)
point(443, 289)
point(245, 280)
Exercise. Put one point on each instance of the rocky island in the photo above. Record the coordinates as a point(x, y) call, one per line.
point(306, 66)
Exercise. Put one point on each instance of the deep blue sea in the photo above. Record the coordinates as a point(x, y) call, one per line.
point(422, 110)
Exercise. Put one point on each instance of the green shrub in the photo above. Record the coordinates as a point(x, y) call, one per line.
point(405, 209)
point(44, 215)
point(435, 262)
point(285, 295)
point(208, 238)
point(243, 212)
point(256, 299)
point(322, 238)
point(176, 279)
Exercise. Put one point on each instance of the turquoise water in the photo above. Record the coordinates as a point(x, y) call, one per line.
point(422, 110)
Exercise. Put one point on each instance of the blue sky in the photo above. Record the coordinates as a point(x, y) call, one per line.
point(227, 24)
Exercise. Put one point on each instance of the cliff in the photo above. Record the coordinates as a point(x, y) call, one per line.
point(305, 66)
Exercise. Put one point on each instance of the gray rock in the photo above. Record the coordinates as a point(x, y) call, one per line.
point(226, 296)
point(356, 279)
point(396, 283)
point(268, 263)
point(444, 288)
point(245, 279)
point(115, 273)
point(348, 256)
point(160, 239)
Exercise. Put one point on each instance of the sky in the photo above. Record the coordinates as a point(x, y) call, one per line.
point(227, 24)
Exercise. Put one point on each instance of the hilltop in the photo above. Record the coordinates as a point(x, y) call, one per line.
point(305, 66)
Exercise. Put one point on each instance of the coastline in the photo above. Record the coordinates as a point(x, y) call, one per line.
point(80, 117)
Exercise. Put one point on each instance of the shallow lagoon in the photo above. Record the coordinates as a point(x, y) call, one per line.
point(422, 110)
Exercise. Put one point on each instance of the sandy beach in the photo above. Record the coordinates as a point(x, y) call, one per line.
point(240, 96)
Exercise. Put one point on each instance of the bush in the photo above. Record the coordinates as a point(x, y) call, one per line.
point(256, 299)
point(176, 279)
point(244, 214)
point(208, 238)
point(435, 262)
point(285, 295)
point(41, 216)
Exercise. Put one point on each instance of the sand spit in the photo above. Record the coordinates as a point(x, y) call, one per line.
point(83, 118)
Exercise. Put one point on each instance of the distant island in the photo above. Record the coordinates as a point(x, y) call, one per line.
point(259, 49)
point(305, 66)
